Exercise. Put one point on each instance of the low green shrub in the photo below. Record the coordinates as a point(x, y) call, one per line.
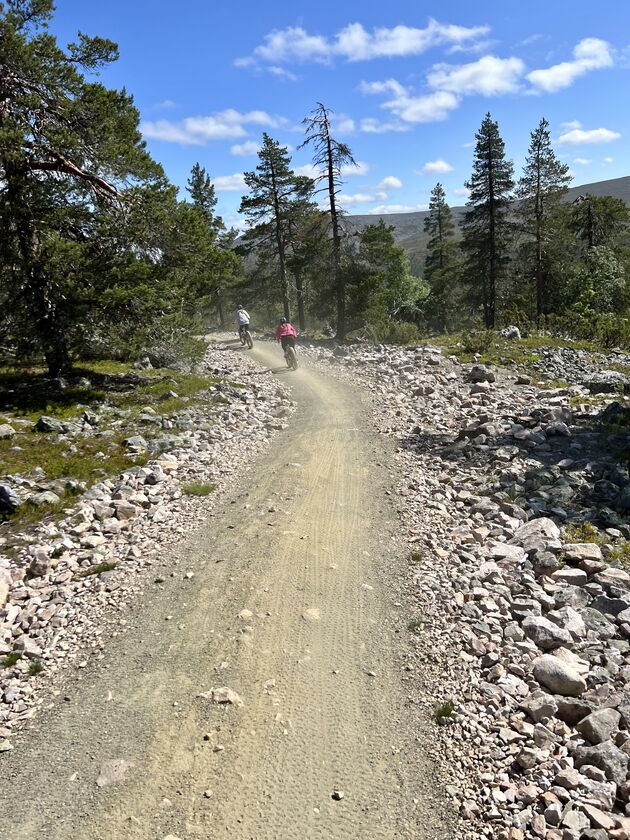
point(197, 488)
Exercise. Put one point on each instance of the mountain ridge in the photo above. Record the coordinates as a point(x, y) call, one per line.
point(409, 227)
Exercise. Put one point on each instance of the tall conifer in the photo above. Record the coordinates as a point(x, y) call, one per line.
point(487, 230)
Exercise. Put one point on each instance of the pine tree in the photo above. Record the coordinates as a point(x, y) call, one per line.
point(441, 266)
point(599, 220)
point(330, 156)
point(202, 194)
point(306, 240)
point(68, 149)
point(486, 228)
point(203, 197)
point(273, 189)
point(544, 181)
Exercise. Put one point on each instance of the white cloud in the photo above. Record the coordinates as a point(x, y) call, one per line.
point(230, 183)
point(197, 131)
point(384, 209)
point(359, 168)
point(462, 192)
point(437, 167)
point(489, 76)
point(388, 86)
point(431, 107)
point(581, 161)
point(609, 160)
point(341, 124)
point(246, 149)
point(308, 170)
point(282, 73)
point(578, 136)
point(588, 54)
point(348, 171)
point(355, 43)
point(390, 182)
point(350, 200)
point(369, 125)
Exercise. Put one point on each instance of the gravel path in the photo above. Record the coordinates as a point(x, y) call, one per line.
point(263, 696)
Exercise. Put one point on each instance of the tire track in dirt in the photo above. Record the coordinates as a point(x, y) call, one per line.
point(324, 708)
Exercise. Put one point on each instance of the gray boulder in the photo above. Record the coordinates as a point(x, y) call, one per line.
point(596, 623)
point(610, 606)
point(599, 725)
point(47, 497)
point(572, 709)
point(480, 373)
point(545, 634)
point(511, 332)
point(606, 757)
point(539, 705)
point(6, 431)
point(136, 442)
point(575, 552)
point(558, 677)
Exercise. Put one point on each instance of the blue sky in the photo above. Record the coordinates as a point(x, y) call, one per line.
point(409, 83)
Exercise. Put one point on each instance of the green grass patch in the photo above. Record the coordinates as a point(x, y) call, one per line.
point(443, 710)
point(197, 488)
point(27, 515)
point(584, 532)
point(415, 557)
point(492, 349)
point(550, 384)
point(97, 570)
point(416, 625)
point(10, 659)
point(620, 555)
point(35, 667)
point(59, 460)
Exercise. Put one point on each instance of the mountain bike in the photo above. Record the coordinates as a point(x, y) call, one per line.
point(246, 337)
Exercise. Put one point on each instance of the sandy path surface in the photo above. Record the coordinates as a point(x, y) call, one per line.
point(294, 606)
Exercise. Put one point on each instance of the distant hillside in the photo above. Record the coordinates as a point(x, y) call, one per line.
point(408, 227)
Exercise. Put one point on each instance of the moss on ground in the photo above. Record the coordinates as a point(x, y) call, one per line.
point(84, 458)
point(494, 350)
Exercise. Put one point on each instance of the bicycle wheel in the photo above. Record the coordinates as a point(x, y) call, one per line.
point(249, 339)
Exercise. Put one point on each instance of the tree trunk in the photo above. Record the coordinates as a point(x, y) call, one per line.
point(338, 277)
point(51, 336)
point(492, 286)
point(539, 257)
point(220, 310)
point(340, 284)
point(284, 281)
point(55, 349)
point(299, 286)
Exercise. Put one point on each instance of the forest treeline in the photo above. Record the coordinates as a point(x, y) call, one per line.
point(101, 255)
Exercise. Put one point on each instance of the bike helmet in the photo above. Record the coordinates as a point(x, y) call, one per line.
point(283, 320)
point(240, 306)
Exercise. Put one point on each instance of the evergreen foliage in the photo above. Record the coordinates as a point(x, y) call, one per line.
point(542, 185)
point(277, 198)
point(442, 264)
point(486, 227)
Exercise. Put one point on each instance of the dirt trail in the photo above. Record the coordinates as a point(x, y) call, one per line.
point(306, 551)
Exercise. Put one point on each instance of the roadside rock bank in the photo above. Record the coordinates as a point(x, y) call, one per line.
point(522, 632)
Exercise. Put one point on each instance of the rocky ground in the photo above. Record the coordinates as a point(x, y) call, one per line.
point(523, 611)
point(65, 583)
